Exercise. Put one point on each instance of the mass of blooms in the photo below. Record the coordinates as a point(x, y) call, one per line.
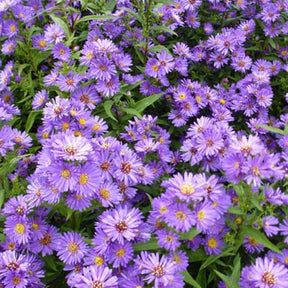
point(143, 143)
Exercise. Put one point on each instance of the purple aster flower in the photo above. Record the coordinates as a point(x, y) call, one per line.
point(120, 254)
point(180, 217)
point(108, 88)
point(168, 240)
point(54, 33)
point(71, 248)
point(126, 166)
point(68, 83)
point(102, 68)
point(270, 225)
point(18, 229)
point(186, 187)
point(96, 276)
point(206, 216)
point(16, 206)
point(47, 243)
point(160, 270)
point(64, 176)
point(213, 244)
point(105, 46)
point(6, 137)
point(40, 99)
point(78, 202)
point(153, 68)
point(61, 52)
point(10, 29)
point(8, 47)
point(166, 62)
point(68, 147)
point(251, 245)
point(108, 194)
point(88, 179)
point(121, 223)
point(265, 273)
point(39, 42)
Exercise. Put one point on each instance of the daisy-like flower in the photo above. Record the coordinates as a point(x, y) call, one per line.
point(88, 179)
point(68, 83)
point(105, 46)
point(69, 147)
point(39, 99)
point(160, 270)
point(206, 216)
point(270, 225)
point(108, 194)
point(126, 165)
point(108, 88)
point(18, 229)
point(102, 68)
point(186, 187)
point(180, 217)
point(63, 176)
point(96, 277)
point(267, 274)
point(71, 248)
point(121, 223)
point(120, 254)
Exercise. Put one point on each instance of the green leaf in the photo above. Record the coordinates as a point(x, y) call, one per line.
point(236, 268)
point(149, 245)
point(107, 107)
point(132, 111)
point(272, 129)
point(133, 13)
point(260, 237)
point(95, 17)
point(227, 280)
point(190, 280)
point(31, 119)
point(2, 197)
point(166, 2)
point(159, 48)
point(50, 260)
point(190, 234)
point(213, 258)
point(141, 105)
point(162, 29)
point(61, 23)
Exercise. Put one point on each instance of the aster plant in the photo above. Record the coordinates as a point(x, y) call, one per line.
point(143, 143)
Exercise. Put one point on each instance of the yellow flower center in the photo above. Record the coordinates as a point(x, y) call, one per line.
point(163, 209)
point(35, 226)
point(182, 96)
point(198, 99)
point(65, 173)
point(16, 280)
point(13, 28)
point(65, 126)
point(98, 260)
point(155, 67)
point(180, 215)
point(169, 238)
point(212, 243)
point(42, 43)
point(95, 127)
point(120, 253)
point(201, 215)
point(20, 228)
point(73, 247)
point(83, 179)
point(187, 189)
point(82, 121)
point(222, 101)
point(11, 246)
point(45, 135)
point(104, 193)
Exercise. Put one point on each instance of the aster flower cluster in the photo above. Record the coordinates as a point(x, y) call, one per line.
point(152, 136)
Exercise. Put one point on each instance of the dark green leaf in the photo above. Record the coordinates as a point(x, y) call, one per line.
point(107, 107)
point(133, 13)
point(132, 111)
point(190, 234)
point(31, 119)
point(149, 245)
point(227, 280)
point(141, 105)
point(163, 29)
point(261, 238)
point(61, 23)
point(272, 129)
point(190, 280)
